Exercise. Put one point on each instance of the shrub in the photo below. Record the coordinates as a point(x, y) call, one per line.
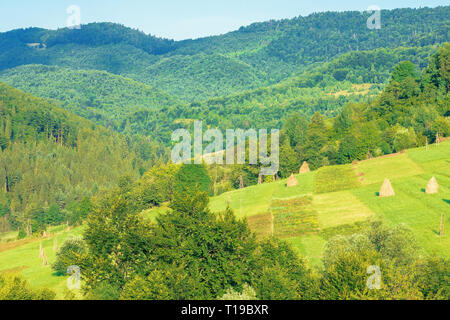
point(72, 252)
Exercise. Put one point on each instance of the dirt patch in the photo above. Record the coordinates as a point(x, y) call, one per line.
point(14, 244)
point(14, 270)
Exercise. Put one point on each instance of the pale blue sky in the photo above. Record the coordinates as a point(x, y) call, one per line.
point(180, 19)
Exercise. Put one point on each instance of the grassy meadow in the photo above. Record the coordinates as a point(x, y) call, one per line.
point(327, 202)
point(342, 199)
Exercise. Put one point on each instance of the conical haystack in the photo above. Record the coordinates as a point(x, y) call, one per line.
point(304, 168)
point(386, 189)
point(432, 186)
point(292, 181)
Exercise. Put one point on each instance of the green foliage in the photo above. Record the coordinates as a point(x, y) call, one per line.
point(392, 250)
point(73, 252)
point(248, 293)
point(14, 287)
point(55, 158)
point(258, 55)
point(190, 175)
point(109, 100)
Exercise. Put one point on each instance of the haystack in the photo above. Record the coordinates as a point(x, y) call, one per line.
point(304, 168)
point(432, 186)
point(292, 181)
point(386, 189)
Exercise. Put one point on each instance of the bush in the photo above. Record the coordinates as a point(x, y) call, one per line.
point(72, 252)
point(14, 287)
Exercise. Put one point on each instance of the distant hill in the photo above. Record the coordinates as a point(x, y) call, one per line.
point(129, 106)
point(253, 56)
point(50, 156)
point(102, 97)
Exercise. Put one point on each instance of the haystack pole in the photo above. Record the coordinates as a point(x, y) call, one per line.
point(41, 250)
point(44, 258)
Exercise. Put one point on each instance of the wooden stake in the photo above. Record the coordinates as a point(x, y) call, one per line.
point(44, 258)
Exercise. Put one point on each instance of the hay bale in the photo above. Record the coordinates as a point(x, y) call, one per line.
point(386, 189)
point(292, 181)
point(304, 168)
point(432, 186)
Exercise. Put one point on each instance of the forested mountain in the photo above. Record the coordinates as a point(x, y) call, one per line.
point(51, 157)
point(260, 54)
point(132, 107)
point(104, 98)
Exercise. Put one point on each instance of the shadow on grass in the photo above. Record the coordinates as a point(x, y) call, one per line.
point(446, 201)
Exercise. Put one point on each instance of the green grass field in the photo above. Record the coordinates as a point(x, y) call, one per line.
point(23, 257)
point(344, 199)
point(327, 202)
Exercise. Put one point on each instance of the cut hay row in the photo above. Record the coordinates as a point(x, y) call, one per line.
point(294, 217)
point(336, 178)
point(261, 225)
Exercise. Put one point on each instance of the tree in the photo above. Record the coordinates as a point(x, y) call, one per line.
point(190, 175)
point(14, 287)
point(73, 252)
point(118, 241)
point(214, 249)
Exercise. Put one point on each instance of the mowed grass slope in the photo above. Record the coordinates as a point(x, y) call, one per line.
point(23, 257)
point(327, 202)
point(343, 199)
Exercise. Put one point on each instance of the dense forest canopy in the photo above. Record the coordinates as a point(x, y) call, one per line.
point(259, 54)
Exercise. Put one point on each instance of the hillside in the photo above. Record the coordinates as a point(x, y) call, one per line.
point(256, 55)
point(49, 156)
point(306, 215)
point(104, 98)
point(129, 106)
point(309, 214)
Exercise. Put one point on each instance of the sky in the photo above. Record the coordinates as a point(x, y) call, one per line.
point(180, 19)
